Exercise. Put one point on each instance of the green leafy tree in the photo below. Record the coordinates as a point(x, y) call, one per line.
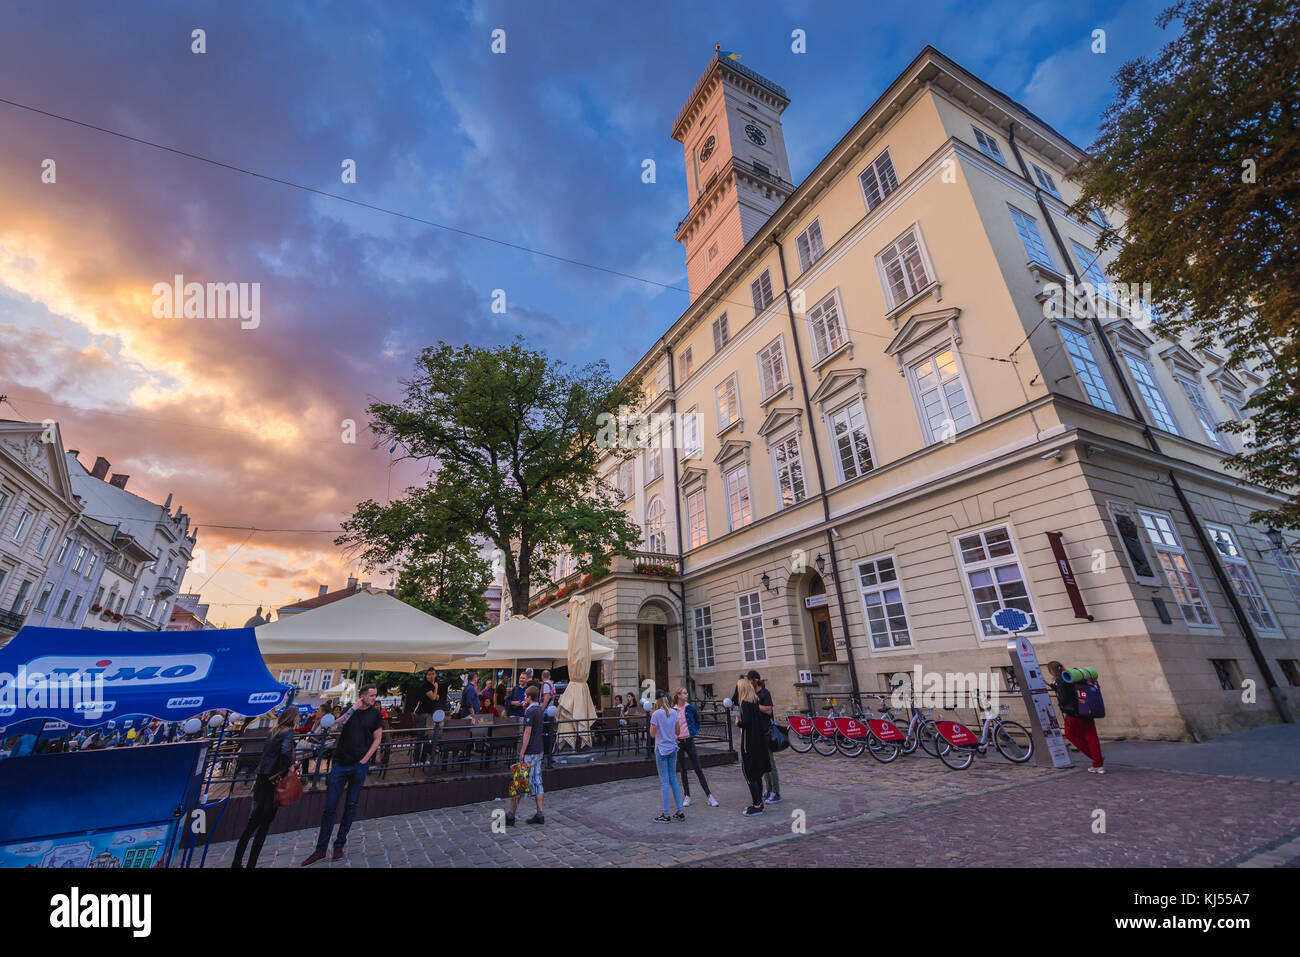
point(1200, 148)
point(513, 442)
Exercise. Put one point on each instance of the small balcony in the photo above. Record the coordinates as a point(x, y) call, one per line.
point(165, 587)
point(11, 621)
point(640, 562)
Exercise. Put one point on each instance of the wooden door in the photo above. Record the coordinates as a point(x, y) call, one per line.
point(821, 621)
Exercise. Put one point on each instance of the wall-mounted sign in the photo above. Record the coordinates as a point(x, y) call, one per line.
point(1067, 576)
point(815, 601)
point(805, 677)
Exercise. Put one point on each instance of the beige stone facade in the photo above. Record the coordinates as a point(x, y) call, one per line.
point(891, 420)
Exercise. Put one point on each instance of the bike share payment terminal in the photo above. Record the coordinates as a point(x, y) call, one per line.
point(1043, 724)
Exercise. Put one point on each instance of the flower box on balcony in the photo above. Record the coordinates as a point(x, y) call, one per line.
point(116, 616)
point(662, 571)
point(96, 609)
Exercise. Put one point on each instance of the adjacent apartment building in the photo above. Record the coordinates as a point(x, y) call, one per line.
point(892, 429)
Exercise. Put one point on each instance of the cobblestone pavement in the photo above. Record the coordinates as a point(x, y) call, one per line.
point(855, 812)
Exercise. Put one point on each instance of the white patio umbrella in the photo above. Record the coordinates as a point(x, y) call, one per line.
point(526, 640)
point(576, 704)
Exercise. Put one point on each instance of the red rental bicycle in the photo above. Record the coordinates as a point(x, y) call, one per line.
point(801, 732)
point(957, 744)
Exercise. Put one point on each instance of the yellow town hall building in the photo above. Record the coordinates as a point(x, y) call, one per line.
point(898, 430)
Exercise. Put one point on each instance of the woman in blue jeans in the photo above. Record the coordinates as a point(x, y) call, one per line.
point(663, 729)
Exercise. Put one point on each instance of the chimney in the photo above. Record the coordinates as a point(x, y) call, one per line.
point(323, 590)
point(74, 452)
point(118, 480)
point(352, 582)
point(101, 467)
point(365, 585)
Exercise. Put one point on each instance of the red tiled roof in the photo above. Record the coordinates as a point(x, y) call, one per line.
point(326, 599)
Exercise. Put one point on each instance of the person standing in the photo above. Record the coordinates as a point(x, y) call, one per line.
point(688, 723)
point(530, 753)
point(771, 780)
point(755, 757)
point(277, 759)
point(1080, 732)
point(361, 731)
point(515, 706)
point(663, 729)
point(469, 700)
point(548, 690)
point(488, 699)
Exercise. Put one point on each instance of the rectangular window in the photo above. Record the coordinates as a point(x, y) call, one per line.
point(993, 576)
point(1079, 348)
point(789, 472)
point(1131, 537)
point(752, 646)
point(882, 601)
point(739, 512)
point(696, 519)
point(1099, 217)
point(685, 365)
point(988, 145)
point(1092, 269)
point(19, 607)
point(99, 596)
point(703, 635)
point(73, 619)
point(24, 522)
point(691, 431)
point(1242, 577)
point(1027, 227)
point(1291, 669)
point(1286, 564)
point(63, 551)
point(654, 459)
point(826, 327)
point(81, 554)
point(1172, 558)
point(1045, 180)
point(771, 368)
point(1151, 394)
point(852, 445)
point(43, 602)
point(4, 500)
point(761, 290)
point(90, 565)
point(810, 245)
point(626, 477)
point(1209, 421)
point(878, 181)
point(941, 395)
point(721, 333)
point(727, 394)
point(904, 269)
point(45, 540)
point(63, 602)
point(1228, 673)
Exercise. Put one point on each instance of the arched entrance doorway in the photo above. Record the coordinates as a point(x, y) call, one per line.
point(652, 644)
point(819, 614)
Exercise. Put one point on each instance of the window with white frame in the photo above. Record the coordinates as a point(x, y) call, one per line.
point(655, 538)
point(882, 601)
point(63, 602)
point(727, 394)
point(1209, 421)
point(90, 565)
point(878, 180)
point(1131, 538)
point(753, 648)
point(45, 540)
point(702, 633)
point(810, 245)
point(772, 376)
point(76, 607)
point(19, 607)
point(788, 464)
point(739, 511)
point(826, 327)
point(99, 597)
point(691, 431)
point(988, 145)
point(24, 522)
point(696, 519)
point(626, 477)
point(685, 365)
point(1145, 380)
point(4, 573)
point(654, 458)
point(43, 602)
point(4, 500)
point(1242, 577)
point(904, 268)
point(1099, 217)
point(1092, 269)
point(62, 556)
point(1027, 227)
point(1045, 180)
point(1079, 348)
point(1178, 571)
point(1286, 565)
point(941, 396)
point(994, 578)
point(852, 444)
point(761, 290)
point(81, 554)
point(721, 332)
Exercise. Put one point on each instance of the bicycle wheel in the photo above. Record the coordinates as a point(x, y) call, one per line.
point(1013, 742)
point(928, 737)
point(800, 742)
point(909, 740)
point(824, 745)
point(959, 759)
point(849, 747)
point(883, 752)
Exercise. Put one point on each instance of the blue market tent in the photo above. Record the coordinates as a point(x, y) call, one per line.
point(171, 675)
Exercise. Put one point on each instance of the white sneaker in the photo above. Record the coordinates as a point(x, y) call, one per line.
point(686, 801)
point(1097, 770)
point(713, 802)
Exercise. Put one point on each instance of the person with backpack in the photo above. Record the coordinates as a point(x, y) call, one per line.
point(688, 725)
point(1080, 729)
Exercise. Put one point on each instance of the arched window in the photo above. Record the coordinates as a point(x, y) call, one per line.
point(655, 539)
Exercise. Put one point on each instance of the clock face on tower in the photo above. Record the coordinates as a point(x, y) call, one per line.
point(755, 134)
point(707, 149)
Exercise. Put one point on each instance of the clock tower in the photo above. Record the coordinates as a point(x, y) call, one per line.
point(737, 172)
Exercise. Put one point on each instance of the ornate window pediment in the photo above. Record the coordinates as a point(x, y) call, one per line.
point(1181, 362)
point(1124, 334)
point(778, 421)
point(731, 450)
point(919, 331)
point(836, 382)
point(692, 477)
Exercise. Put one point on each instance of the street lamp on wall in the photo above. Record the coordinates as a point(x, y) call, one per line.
point(820, 563)
point(767, 584)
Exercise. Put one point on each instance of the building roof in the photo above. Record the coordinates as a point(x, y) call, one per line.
point(718, 60)
point(326, 599)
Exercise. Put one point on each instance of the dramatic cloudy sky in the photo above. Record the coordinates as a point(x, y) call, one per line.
point(540, 147)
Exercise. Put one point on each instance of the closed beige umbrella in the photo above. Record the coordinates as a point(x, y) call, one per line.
point(576, 704)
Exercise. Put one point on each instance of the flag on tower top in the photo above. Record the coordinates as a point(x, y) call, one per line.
point(725, 54)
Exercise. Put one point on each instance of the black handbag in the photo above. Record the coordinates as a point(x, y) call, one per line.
point(777, 739)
